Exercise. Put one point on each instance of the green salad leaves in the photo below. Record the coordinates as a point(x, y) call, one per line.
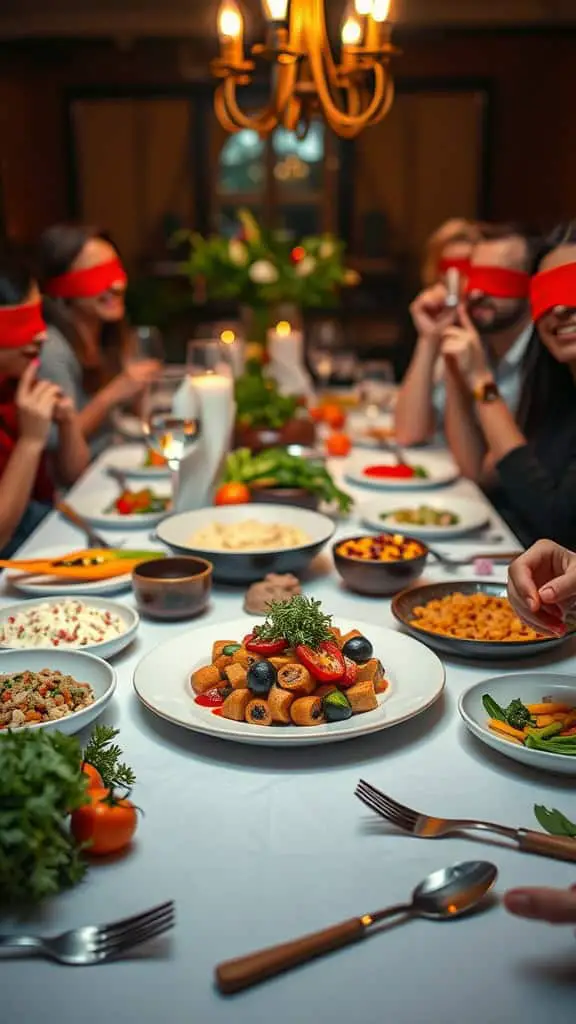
point(40, 784)
point(275, 467)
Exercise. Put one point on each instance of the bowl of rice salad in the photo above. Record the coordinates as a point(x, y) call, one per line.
point(57, 690)
point(92, 624)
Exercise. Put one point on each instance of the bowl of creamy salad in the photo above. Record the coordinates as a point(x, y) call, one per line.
point(68, 623)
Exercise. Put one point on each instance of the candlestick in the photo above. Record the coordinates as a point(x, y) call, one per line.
point(213, 395)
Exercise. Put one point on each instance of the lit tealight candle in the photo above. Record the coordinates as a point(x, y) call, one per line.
point(235, 349)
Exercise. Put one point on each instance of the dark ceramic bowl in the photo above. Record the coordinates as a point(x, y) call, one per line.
point(172, 588)
point(297, 496)
point(378, 579)
point(247, 566)
point(301, 431)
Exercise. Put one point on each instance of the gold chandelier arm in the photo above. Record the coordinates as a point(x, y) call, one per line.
point(316, 28)
point(264, 122)
point(334, 114)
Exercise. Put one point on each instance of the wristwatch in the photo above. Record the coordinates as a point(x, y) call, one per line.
point(486, 392)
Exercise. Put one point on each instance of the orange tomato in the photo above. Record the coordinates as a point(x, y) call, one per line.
point(155, 459)
point(317, 413)
point(333, 415)
point(105, 824)
point(95, 780)
point(232, 494)
point(338, 444)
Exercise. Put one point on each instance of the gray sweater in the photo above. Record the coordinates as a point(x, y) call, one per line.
point(60, 364)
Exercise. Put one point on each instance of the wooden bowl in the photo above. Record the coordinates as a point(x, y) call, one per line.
point(375, 578)
point(300, 430)
point(297, 496)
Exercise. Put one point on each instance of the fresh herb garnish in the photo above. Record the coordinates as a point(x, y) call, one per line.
point(554, 822)
point(259, 402)
point(104, 755)
point(298, 621)
point(516, 714)
point(40, 785)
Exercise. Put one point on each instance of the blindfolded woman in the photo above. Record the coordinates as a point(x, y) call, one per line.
point(89, 344)
point(28, 409)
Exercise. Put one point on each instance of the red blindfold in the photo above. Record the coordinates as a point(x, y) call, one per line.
point(550, 288)
point(85, 284)
point(498, 282)
point(461, 265)
point(20, 325)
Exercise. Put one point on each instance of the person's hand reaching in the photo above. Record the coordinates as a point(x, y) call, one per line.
point(430, 315)
point(35, 402)
point(542, 586)
point(556, 906)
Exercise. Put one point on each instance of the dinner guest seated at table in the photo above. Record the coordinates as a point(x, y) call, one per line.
point(526, 464)
point(556, 906)
point(28, 409)
point(542, 586)
point(496, 300)
point(90, 348)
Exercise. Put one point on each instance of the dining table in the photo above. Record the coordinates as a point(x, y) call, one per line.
point(257, 845)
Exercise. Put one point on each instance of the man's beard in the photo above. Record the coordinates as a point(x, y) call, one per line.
point(501, 321)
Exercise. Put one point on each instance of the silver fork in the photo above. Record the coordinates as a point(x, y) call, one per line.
point(426, 827)
point(94, 944)
point(502, 557)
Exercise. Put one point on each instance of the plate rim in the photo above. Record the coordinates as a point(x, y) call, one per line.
point(302, 737)
point(354, 477)
point(481, 732)
point(431, 532)
point(126, 636)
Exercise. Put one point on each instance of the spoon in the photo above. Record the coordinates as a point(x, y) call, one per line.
point(443, 895)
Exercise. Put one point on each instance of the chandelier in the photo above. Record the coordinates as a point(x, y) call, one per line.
point(306, 80)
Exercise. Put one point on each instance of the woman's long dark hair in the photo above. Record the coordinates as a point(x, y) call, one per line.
point(58, 248)
point(549, 390)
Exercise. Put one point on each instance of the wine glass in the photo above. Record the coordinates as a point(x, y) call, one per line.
point(209, 356)
point(170, 418)
point(377, 387)
point(149, 344)
point(326, 338)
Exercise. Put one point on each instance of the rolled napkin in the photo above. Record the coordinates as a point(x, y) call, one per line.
point(286, 361)
point(210, 397)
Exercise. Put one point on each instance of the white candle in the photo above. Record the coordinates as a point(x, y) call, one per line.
point(212, 395)
point(234, 348)
point(286, 351)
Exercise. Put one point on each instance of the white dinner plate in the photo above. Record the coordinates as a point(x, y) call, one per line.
point(53, 586)
point(92, 508)
point(440, 472)
point(104, 649)
point(128, 425)
point(471, 515)
point(130, 459)
point(162, 682)
point(84, 667)
point(530, 689)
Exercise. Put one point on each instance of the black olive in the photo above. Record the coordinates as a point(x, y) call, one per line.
point(261, 676)
point(336, 706)
point(358, 649)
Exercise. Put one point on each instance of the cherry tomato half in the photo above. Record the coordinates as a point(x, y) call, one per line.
point(326, 664)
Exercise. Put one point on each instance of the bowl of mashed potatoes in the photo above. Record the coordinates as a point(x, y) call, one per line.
point(245, 542)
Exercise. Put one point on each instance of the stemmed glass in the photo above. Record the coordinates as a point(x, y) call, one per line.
point(149, 344)
point(209, 356)
point(377, 387)
point(170, 418)
point(326, 340)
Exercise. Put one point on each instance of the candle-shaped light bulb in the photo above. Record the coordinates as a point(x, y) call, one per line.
point(363, 7)
point(230, 24)
point(283, 329)
point(351, 31)
point(380, 10)
point(275, 10)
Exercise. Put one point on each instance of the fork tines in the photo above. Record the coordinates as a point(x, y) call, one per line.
point(117, 936)
point(398, 814)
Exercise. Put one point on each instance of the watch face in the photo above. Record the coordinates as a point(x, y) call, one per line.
point(488, 392)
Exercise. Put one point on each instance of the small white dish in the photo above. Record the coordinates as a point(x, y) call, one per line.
point(162, 682)
point(472, 516)
point(92, 508)
point(131, 460)
point(85, 668)
point(530, 689)
point(440, 472)
point(104, 649)
point(53, 586)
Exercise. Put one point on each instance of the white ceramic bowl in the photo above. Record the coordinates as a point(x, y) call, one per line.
point(530, 689)
point(105, 649)
point(246, 566)
point(85, 668)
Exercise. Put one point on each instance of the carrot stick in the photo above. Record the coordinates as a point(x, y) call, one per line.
point(548, 708)
point(507, 730)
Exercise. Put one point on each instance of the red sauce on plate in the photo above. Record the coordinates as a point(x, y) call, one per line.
point(401, 472)
point(209, 700)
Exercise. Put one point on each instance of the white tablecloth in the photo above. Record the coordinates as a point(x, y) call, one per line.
point(260, 845)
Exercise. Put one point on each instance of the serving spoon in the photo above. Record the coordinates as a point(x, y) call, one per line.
point(441, 896)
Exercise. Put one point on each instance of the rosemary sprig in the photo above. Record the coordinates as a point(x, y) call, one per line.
point(299, 620)
point(104, 755)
